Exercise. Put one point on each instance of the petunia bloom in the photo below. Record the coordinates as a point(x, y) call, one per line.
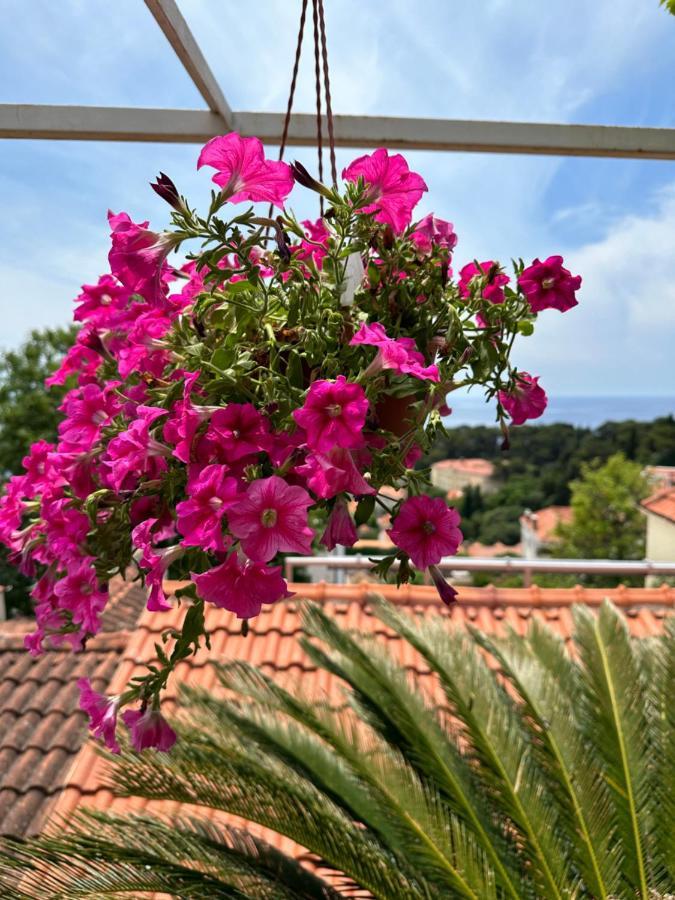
point(427, 530)
point(271, 518)
point(432, 232)
point(393, 190)
point(526, 401)
point(210, 494)
point(149, 729)
point(340, 528)
point(399, 354)
point(137, 256)
point(243, 173)
point(241, 587)
point(332, 473)
point(237, 431)
point(493, 290)
point(102, 712)
point(549, 285)
point(333, 415)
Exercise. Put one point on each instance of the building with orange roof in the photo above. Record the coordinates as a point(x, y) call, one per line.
point(451, 475)
point(659, 510)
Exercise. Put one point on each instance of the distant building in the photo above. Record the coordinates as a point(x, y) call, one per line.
point(538, 529)
point(659, 510)
point(456, 474)
point(661, 477)
point(491, 551)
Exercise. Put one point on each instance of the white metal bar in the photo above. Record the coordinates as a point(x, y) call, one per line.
point(196, 126)
point(176, 30)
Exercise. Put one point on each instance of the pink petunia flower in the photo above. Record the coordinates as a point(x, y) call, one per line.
point(154, 562)
point(272, 518)
point(493, 291)
point(210, 495)
point(65, 528)
point(130, 455)
point(427, 530)
point(333, 415)
point(137, 256)
point(102, 712)
point(237, 431)
point(431, 232)
point(340, 528)
point(526, 401)
point(243, 173)
point(184, 420)
point(86, 411)
point(241, 587)
point(399, 354)
point(316, 245)
point(332, 473)
point(80, 593)
point(549, 285)
point(149, 729)
point(393, 190)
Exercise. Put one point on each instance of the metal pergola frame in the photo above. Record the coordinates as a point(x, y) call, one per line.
point(94, 123)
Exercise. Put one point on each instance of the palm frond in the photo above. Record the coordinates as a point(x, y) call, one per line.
point(613, 717)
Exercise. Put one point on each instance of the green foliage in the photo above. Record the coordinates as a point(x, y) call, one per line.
point(669, 5)
point(607, 522)
point(28, 413)
point(560, 786)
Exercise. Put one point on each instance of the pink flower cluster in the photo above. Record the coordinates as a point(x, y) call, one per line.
point(232, 409)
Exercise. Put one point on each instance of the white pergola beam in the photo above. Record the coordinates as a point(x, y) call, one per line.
point(197, 126)
point(176, 30)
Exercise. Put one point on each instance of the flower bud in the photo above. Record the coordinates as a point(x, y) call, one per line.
point(303, 177)
point(167, 190)
point(446, 591)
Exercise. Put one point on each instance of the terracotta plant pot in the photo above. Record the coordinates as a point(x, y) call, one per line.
point(396, 414)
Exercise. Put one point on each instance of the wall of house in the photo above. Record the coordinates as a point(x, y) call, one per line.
point(660, 538)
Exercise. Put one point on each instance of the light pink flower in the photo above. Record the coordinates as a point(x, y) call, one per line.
point(340, 528)
point(431, 232)
point(137, 256)
point(149, 729)
point(210, 494)
point(272, 518)
point(393, 190)
point(102, 712)
point(243, 173)
point(426, 529)
point(526, 401)
point(549, 285)
point(493, 291)
point(332, 473)
point(242, 587)
point(333, 415)
point(399, 354)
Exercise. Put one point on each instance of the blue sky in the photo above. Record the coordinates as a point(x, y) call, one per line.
point(609, 61)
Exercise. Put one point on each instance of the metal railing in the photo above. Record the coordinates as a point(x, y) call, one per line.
point(358, 562)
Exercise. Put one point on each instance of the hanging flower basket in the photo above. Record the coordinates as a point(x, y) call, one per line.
point(254, 400)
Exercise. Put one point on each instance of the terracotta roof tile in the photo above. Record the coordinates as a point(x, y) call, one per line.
point(662, 503)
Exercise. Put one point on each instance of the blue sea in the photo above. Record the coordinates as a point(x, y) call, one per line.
point(587, 412)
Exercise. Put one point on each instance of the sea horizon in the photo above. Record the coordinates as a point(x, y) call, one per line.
point(582, 411)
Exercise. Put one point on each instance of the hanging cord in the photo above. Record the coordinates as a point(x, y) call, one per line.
point(317, 74)
point(326, 84)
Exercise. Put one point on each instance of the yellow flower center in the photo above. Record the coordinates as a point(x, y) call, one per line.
point(334, 410)
point(268, 518)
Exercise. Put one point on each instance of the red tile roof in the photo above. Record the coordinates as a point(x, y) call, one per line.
point(468, 466)
point(545, 521)
point(662, 504)
point(272, 644)
point(41, 727)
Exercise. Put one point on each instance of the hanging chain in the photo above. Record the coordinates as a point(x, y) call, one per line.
point(320, 67)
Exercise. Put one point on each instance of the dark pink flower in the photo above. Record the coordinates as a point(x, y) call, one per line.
point(427, 530)
point(549, 285)
point(316, 245)
point(340, 528)
point(80, 592)
point(431, 232)
point(393, 190)
point(237, 431)
point(130, 454)
point(86, 410)
point(210, 494)
point(446, 591)
point(242, 587)
point(184, 420)
point(65, 528)
point(333, 415)
point(137, 256)
point(526, 401)
point(493, 290)
point(149, 729)
point(79, 360)
point(243, 173)
point(154, 562)
point(102, 712)
point(42, 472)
point(100, 303)
point(400, 354)
point(332, 473)
point(271, 518)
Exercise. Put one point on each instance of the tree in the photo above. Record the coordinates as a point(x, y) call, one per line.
point(28, 412)
point(553, 788)
point(606, 519)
